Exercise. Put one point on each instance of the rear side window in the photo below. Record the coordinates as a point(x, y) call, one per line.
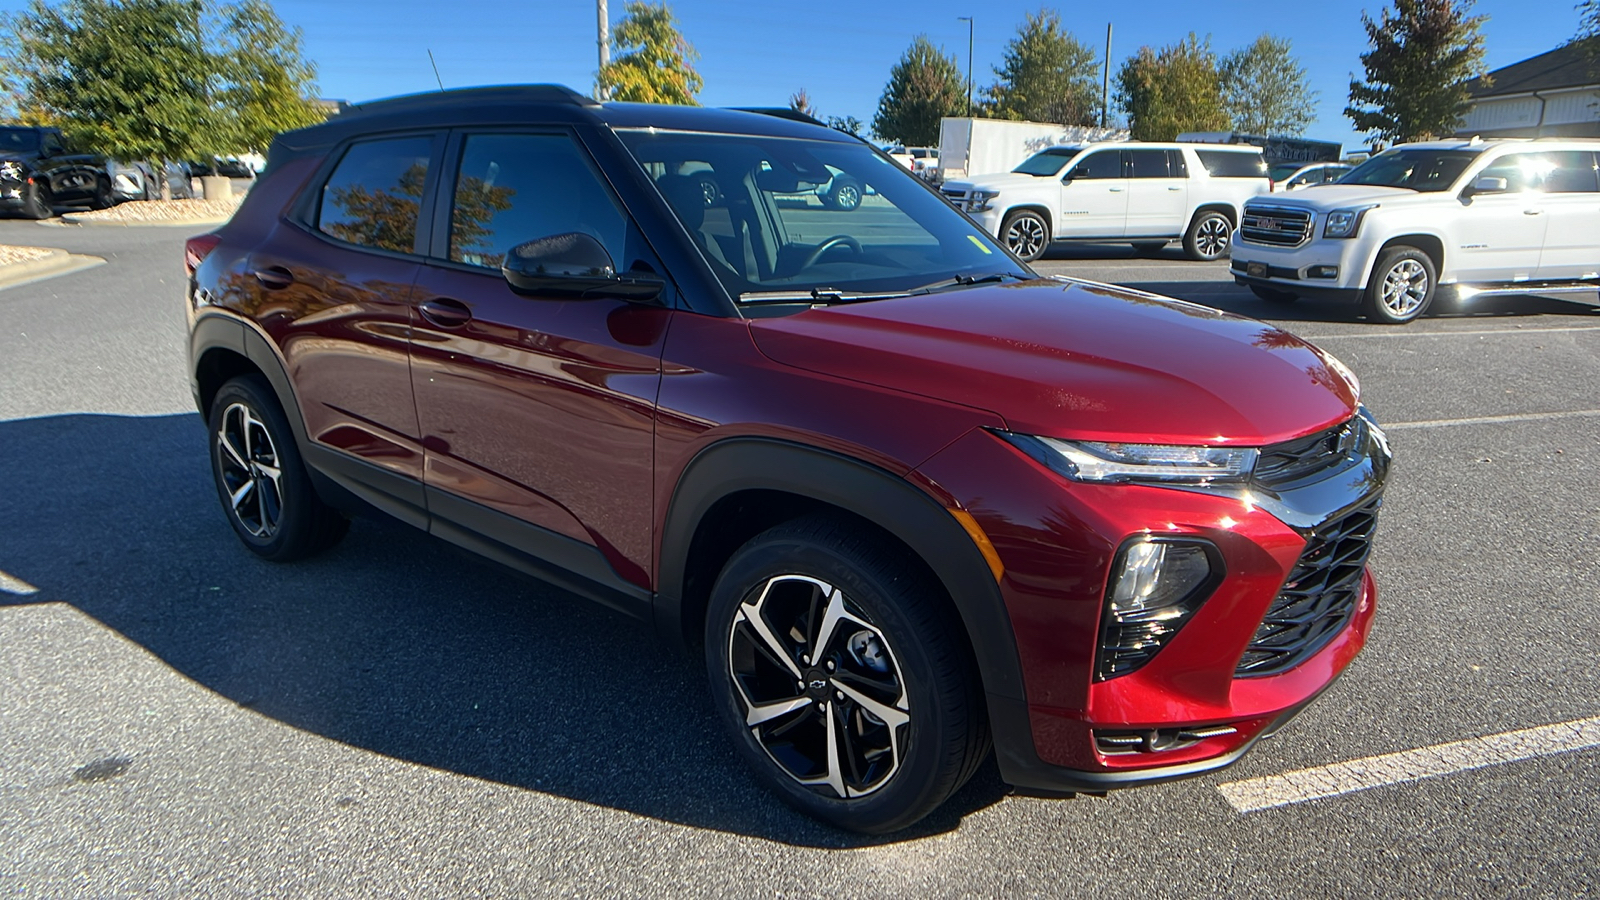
point(374, 196)
point(1149, 163)
point(1225, 164)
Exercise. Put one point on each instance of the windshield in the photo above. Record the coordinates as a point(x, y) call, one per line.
point(780, 219)
point(1048, 162)
point(1420, 170)
point(18, 140)
point(1282, 173)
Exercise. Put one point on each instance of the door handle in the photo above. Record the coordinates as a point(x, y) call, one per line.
point(274, 278)
point(1533, 212)
point(1115, 190)
point(445, 313)
point(1174, 189)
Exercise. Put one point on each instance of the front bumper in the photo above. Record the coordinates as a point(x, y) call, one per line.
point(1332, 269)
point(1058, 540)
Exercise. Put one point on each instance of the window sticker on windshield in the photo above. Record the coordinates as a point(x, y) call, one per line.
point(979, 244)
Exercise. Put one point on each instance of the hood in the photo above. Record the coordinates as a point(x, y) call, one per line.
point(999, 181)
point(1077, 360)
point(1323, 197)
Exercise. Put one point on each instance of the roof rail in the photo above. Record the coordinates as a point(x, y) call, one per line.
point(781, 112)
point(525, 93)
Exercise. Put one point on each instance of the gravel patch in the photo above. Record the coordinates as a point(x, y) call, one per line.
point(10, 254)
point(163, 210)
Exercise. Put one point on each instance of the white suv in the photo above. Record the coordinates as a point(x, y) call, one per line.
point(1495, 217)
point(1143, 194)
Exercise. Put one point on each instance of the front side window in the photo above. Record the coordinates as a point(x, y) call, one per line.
point(1099, 164)
point(374, 196)
point(1555, 172)
point(799, 218)
point(514, 188)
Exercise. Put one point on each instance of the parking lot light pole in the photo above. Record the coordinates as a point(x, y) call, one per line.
point(968, 20)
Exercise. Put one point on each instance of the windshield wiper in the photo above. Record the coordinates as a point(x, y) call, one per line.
point(961, 281)
point(820, 295)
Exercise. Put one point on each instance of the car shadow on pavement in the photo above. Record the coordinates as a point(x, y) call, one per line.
point(1230, 298)
point(393, 641)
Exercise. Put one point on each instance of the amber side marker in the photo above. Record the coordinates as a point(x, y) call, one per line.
point(985, 546)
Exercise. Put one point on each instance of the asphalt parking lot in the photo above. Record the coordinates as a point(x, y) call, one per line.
point(179, 718)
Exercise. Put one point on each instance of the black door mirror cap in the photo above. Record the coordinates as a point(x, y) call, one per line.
point(574, 265)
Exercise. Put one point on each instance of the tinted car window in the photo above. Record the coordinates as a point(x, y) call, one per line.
point(1149, 163)
point(18, 140)
point(1226, 164)
point(374, 195)
point(1176, 164)
point(1419, 170)
point(514, 188)
point(1047, 162)
point(1571, 172)
point(1100, 164)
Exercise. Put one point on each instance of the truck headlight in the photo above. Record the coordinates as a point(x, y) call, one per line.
point(1345, 223)
point(1100, 461)
point(10, 170)
point(980, 201)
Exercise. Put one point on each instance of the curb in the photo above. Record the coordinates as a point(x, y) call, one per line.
point(70, 219)
point(59, 262)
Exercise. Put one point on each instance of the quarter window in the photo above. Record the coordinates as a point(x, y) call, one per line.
point(1232, 164)
point(374, 195)
point(514, 188)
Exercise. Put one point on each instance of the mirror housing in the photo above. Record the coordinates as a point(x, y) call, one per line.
point(1487, 184)
point(574, 265)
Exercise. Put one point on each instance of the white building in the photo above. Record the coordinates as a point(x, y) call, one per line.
point(1552, 94)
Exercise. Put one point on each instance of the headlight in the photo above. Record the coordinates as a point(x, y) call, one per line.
point(978, 201)
point(11, 170)
point(1165, 463)
point(1345, 223)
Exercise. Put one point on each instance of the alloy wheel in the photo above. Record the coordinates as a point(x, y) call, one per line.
point(818, 686)
point(1025, 237)
point(1405, 287)
point(250, 470)
point(1212, 237)
point(847, 196)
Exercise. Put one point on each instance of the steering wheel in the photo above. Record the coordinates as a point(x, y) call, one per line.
point(835, 241)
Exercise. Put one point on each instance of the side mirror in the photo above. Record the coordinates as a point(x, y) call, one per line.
point(574, 265)
point(1067, 178)
point(1488, 184)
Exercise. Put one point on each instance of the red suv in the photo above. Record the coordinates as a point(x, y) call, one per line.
point(911, 499)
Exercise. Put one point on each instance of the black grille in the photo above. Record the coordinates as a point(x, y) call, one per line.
point(1319, 596)
point(1275, 226)
point(1302, 459)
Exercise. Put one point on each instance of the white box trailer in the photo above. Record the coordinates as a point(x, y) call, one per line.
point(969, 147)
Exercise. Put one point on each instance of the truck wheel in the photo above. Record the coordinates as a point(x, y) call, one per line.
point(1401, 287)
point(1272, 296)
point(103, 198)
point(843, 682)
point(1207, 238)
point(1025, 234)
point(39, 204)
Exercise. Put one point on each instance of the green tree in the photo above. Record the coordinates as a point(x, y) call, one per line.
point(924, 87)
point(1265, 89)
point(846, 124)
point(653, 58)
point(1047, 75)
point(1423, 53)
point(157, 79)
point(1172, 90)
point(1588, 19)
point(800, 102)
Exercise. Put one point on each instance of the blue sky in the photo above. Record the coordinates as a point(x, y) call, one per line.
point(755, 53)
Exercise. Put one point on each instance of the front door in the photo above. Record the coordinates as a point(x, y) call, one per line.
point(1501, 234)
point(541, 409)
point(1094, 197)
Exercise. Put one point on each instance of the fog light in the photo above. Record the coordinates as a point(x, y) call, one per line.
point(1156, 586)
point(1323, 272)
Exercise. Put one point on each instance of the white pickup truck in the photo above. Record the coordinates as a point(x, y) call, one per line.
point(1144, 194)
point(1476, 217)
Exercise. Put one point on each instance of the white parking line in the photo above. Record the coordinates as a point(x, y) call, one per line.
point(1493, 420)
point(1299, 786)
point(11, 584)
point(1421, 334)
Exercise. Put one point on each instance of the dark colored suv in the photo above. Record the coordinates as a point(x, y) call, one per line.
point(912, 500)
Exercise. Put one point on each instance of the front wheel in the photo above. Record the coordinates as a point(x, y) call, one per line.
point(103, 197)
point(265, 490)
point(1026, 234)
point(1401, 287)
point(842, 677)
point(1208, 235)
point(845, 195)
point(39, 204)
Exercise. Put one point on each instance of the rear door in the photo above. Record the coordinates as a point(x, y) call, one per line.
point(1094, 197)
point(537, 412)
point(1157, 196)
point(1571, 203)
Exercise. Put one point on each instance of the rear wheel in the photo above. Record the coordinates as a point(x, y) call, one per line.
point(265, 490)
point(1026, 234)
point(1208, 236)
point(1401, 287)
point(845, 194)
point(1272, 296)
point(103, 198)
point(841, 676)
point(39, 204)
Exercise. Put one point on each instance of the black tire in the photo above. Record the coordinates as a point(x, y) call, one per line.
point(1208, 235)
point(281, 519)
point(103, 197)
point(38, 204)
point(1402, 286)
point(1026, 234)
point(900, 653)
point(845, 195)
point(1145, 248)
point(1273, 296)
